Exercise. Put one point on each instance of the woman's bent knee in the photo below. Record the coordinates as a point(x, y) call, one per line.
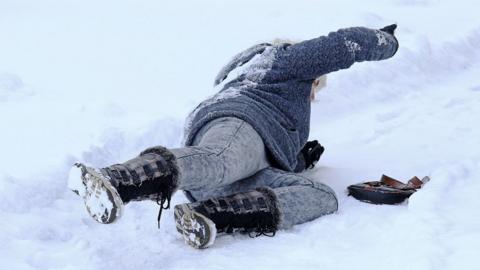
point(322, 197)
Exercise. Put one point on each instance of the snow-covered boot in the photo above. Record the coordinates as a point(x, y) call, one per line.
point(151, 175)
point(101, 198)
point(252, 212)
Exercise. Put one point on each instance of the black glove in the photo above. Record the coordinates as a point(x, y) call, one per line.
point(311, 153)
point(389, 29)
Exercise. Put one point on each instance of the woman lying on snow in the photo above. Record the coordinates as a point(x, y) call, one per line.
point(243, 148)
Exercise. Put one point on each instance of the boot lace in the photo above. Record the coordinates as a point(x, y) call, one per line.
point(262, 229)
point(163, 197)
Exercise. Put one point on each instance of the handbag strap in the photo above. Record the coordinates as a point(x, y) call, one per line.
point(413, 183)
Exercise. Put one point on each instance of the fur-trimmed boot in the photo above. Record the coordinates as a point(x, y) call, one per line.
point(252, 212)
point(151, 175)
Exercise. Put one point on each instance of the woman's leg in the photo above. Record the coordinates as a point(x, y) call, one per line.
point(225, 150)
point(271, 199)
point(299, 199)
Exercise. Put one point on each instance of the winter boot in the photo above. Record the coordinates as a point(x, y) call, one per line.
point(151, 175)
point(252, 212)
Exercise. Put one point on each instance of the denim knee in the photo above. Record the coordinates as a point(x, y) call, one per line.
point(294, 179)
point(325, 189)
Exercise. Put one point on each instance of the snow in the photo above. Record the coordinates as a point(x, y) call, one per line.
point(352, 46)
point(74, 181)
point(101, 81)
point(382, 39)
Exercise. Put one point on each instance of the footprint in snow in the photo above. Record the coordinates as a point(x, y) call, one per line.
point(10, 82)
point(455, 103)
point(475, 88)
point(384, 117)
point(12, 87)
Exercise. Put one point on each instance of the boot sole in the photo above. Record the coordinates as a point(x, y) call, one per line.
point(197, 230)
point(102, 200)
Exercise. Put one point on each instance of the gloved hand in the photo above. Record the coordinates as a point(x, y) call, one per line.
point(311, 153)
point(390, 29)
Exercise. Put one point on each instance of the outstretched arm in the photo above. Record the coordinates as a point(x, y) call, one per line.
point(339, 50)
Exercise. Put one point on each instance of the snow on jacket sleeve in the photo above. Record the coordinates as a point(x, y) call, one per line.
point(238, 60)
point(339, 50)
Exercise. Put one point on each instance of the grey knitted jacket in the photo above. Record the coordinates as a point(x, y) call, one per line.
point(269, 86)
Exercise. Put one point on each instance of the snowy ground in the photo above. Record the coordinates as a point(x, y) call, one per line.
point(101, 81)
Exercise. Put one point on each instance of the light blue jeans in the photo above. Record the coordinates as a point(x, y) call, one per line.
point(229, 157)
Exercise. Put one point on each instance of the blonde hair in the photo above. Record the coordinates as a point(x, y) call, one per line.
point(319, 83)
